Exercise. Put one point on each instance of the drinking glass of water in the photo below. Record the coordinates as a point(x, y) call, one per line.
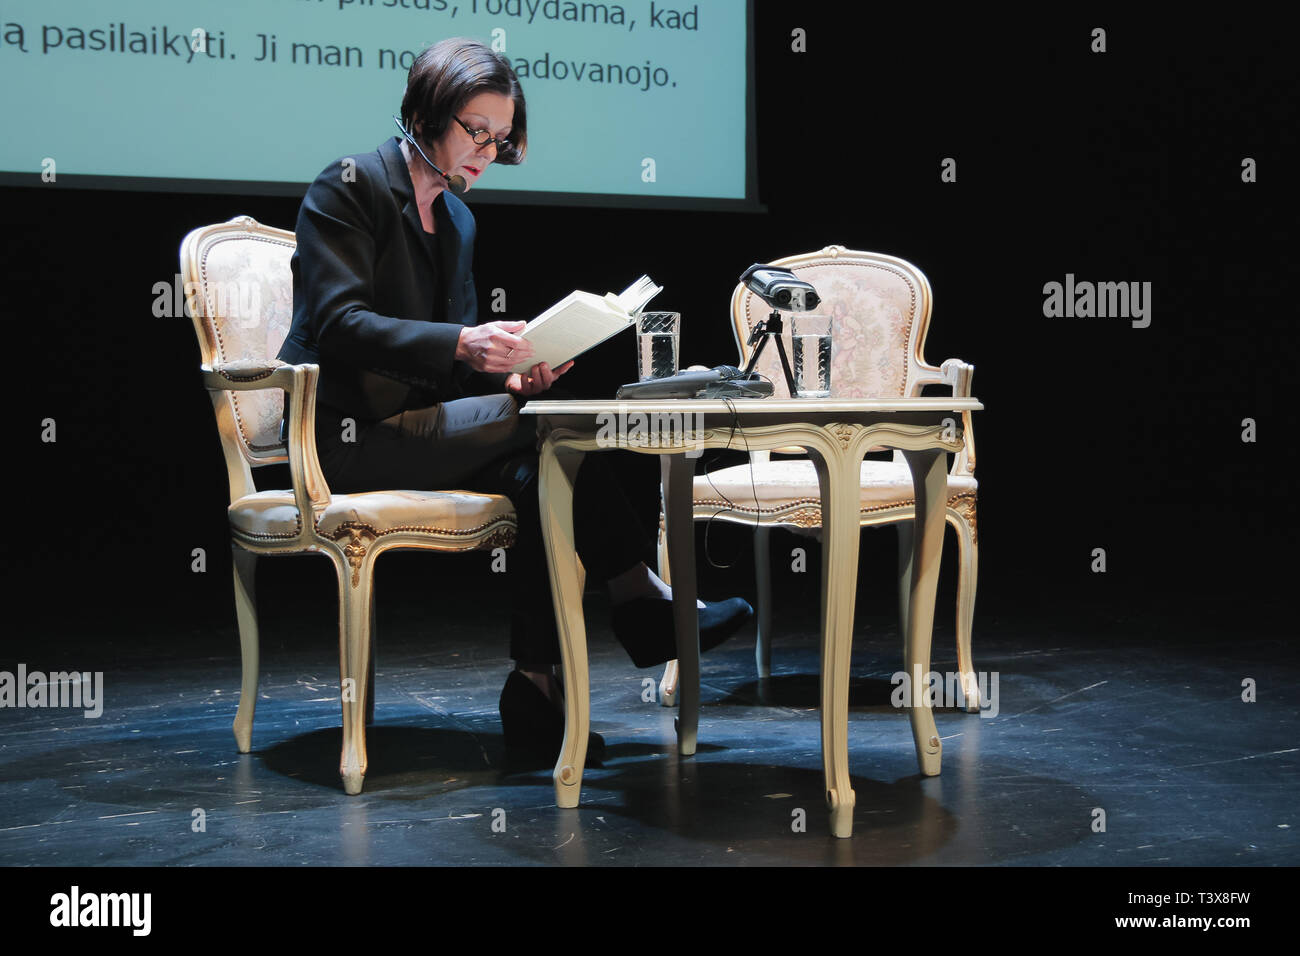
point(811, 337)
point(656, 344)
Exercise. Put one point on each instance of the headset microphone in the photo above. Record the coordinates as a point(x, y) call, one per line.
point(455, 183)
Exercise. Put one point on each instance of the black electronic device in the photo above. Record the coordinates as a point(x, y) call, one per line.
point(781, 289)
point(724, 381)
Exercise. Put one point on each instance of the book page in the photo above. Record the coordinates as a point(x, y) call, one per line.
point(577, 323)
point(636, 296)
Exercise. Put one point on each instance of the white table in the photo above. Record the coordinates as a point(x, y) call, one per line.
point(836, 434)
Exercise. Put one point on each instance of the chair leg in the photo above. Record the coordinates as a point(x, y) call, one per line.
point(668, 684)
point(374, 652)
point(967, 576)
point(904, 573)
point(355, 602)
point(763, 582)
point(661, 551)
point(245, 573)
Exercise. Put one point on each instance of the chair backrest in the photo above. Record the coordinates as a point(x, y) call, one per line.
point(880, 310)
point(239, 293)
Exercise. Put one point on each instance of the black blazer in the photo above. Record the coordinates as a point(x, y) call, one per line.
point(379, 303)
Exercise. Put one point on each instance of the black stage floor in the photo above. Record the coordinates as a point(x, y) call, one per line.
point(1135, 714)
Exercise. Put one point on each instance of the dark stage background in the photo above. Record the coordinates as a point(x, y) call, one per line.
point(1122, 166)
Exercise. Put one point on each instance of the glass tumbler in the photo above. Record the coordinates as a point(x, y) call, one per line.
point(811, 338)
point(656, 344)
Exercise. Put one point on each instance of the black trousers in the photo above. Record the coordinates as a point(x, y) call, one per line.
point(483, 444)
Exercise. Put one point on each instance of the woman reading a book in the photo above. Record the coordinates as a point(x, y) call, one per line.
point(415, 392)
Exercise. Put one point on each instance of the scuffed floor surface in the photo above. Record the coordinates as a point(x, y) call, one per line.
point(1094, 718)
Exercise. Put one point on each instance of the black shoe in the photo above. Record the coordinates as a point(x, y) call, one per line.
point(645, 627)
point(534, 725)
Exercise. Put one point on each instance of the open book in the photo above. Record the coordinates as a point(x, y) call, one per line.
point(582, 320)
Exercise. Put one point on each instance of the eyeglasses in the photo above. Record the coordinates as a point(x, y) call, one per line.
point(482, 137)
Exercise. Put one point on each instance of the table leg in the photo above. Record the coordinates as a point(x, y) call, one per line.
point(677, 473)
point(840, 480)
point(558, 468)
point(930, 486)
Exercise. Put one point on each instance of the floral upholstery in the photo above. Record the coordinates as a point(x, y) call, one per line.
point(273, 514)
point(873, 318)
point(247, 288)
point(782, 485)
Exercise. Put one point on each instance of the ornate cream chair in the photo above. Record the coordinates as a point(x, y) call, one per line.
point(239, 293)
point(881, 311)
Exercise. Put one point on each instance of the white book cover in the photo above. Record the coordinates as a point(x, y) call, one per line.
point(581, 321)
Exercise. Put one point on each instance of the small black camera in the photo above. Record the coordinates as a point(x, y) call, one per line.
point(780, 288)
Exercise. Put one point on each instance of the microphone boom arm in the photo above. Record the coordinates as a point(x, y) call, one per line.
point(455, 183)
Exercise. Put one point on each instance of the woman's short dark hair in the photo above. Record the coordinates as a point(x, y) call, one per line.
point(449, 74)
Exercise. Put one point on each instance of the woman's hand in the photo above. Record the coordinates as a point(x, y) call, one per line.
point(538, 379)
point(493, 346)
